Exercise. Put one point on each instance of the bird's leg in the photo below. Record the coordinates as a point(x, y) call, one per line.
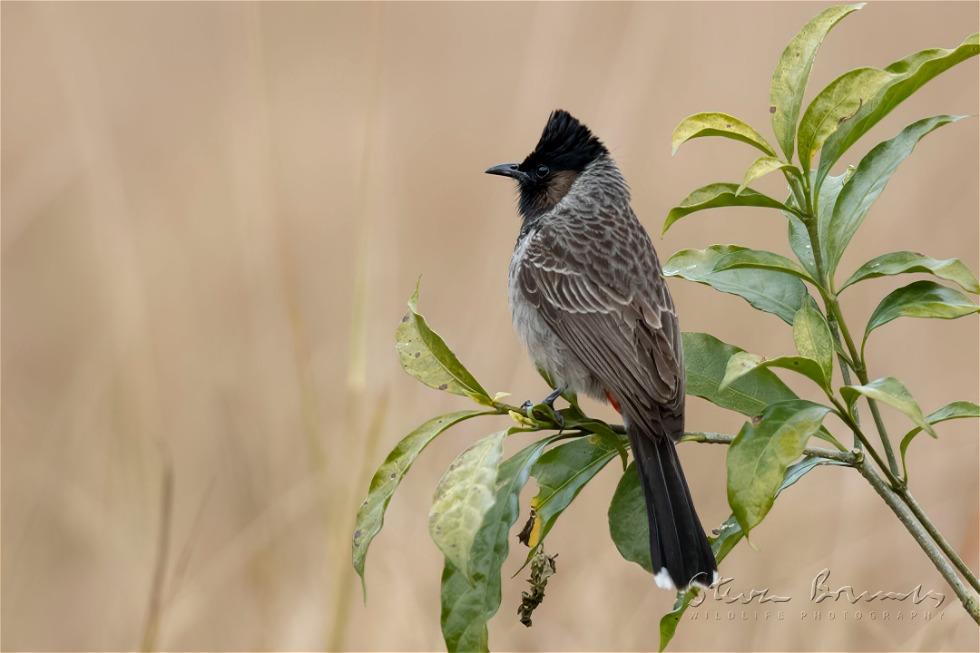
point(548, 401)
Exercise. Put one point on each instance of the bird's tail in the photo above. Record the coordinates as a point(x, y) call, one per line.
point(679, 550)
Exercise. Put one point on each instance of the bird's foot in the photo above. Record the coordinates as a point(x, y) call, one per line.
point(549, 401)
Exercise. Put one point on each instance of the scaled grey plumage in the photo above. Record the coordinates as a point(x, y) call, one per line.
point(589, 300)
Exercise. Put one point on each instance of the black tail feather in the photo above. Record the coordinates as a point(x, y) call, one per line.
point(679, 548)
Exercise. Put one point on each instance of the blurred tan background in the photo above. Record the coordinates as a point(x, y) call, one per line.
point(212, 217)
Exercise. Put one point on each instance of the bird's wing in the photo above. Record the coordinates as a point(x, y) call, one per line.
point(606, 300)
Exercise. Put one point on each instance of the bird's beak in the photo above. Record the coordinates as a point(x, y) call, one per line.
point(508, 170)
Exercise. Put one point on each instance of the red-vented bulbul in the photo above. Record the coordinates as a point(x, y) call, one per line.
point(589, 300)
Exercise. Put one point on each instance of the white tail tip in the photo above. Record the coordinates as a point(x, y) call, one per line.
point(665, 582)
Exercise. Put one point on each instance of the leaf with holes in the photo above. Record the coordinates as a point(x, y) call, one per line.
point(717, 124)
point(463, 496)
point(470, 600)
point(907, 76)
point(837, 103)
point(370, 516)
point(793, 70)
point(425, 355)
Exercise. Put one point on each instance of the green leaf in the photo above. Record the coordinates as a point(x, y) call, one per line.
point(813, 339)
point(955, 410)
point(717, 195)
point(728, 535)
point(761, 453)
point(799, 242)
point(628, 524)
point(799, 469)
point(791, 74)
point(561, 474)
point(890, 391)
point(468, 603)
point(826, 201)
point(463, 496)
point(743, 362)
point(717, 124)
point(908, 75)
point(920, 299)
point(951, 269)
point(705, 360)
point(869, 180)
point(760, 260)
point(370, 516)
point(762, 167)
point(425, 355)
point(772, 292)
point(834, 106)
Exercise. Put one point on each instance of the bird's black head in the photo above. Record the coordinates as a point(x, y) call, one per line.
point(564, 150)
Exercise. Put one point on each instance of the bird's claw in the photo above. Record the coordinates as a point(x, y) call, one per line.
point(549, 401)
point(559, 420)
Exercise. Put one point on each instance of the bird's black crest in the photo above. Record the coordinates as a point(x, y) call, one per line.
point(565, 144)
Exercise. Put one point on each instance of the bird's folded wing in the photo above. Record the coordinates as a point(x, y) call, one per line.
point(623, 330)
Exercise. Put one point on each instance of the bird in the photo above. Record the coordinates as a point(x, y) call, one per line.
point(589, 300)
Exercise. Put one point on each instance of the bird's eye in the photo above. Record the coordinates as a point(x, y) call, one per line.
point(542, 171)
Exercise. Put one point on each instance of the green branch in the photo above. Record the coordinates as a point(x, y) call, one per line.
point(922, 536)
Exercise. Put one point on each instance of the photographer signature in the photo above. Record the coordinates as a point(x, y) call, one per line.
point(820, 591)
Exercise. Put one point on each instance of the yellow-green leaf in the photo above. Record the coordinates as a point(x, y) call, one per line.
point(425, 355)
point(835, 105)
point(743, 362)
point(463, 496)
point(909, 74)
point(793, 70)
point(762, 167)
point(813, 339)
point(718, 195)
point(717, 124)
point(889, 390)
point(370, 516)
point(761, 453)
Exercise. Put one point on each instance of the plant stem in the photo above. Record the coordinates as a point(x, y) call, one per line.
point(860, 437)
point(938, 538)
point(922, 536)
point(851, 458)
point(833, 307)
point(845, 371)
